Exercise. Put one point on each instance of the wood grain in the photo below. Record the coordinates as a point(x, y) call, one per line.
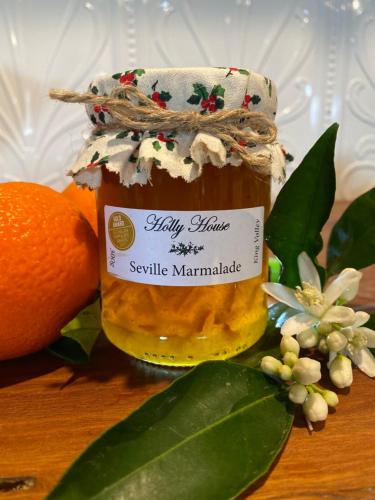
point(49, 413)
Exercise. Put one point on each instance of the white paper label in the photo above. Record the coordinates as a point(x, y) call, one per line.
point(178, 248)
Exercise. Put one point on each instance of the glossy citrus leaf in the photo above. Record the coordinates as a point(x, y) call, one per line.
point(303, 206)
point(209, 435)
point(352, 240)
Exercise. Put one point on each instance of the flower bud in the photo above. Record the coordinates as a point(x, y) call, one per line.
point(270, 365)
point(297, 393)
point(306, 371)
point(331, 398)
point(323, 346)
point(341, 372)
point(289, 344)
point(315, 407)
point(308, 338)
point(336, 341)
point(324, 328)
point(285, 372)
point(290, 359)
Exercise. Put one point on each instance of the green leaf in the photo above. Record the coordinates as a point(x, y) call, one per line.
point(170, 146)
point(303, 206)
point(123, 134)
point(117, 76)
point(219, 103)
point(243, 72)
point(194, 99)
point(201, 90)
point(188, 160)
point(94, 90)
point(79, 335)
point(218, 90)
point(269, 343)
point(255, 99)
point(95, 156)
point(156, 145)
point(139, 71)
point(208, 436)
point(274, 270)
point(352, 240)
point(165, 96)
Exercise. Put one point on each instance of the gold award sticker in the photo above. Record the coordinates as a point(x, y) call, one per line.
point(121, 230)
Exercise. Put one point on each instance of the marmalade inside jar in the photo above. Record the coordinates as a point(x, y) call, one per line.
point(184, 325)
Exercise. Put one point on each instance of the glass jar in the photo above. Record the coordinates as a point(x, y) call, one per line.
point(180, 217)
point(184, 325)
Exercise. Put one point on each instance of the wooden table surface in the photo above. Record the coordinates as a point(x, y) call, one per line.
point(50, 412)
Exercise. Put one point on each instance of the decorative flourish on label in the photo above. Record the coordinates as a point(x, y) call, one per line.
point(185, 249)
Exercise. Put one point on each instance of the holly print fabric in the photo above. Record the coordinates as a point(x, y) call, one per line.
point(133, 153)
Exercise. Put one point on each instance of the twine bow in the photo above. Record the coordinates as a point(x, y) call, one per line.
point(237, 128)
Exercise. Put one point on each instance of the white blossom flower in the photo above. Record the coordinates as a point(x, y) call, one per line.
point(314, 305)
point(270, 365)
point(315, 408)
point(340, 370)
point(289, 344)
point(290, 359)
point(359, 339)
point(331, 398)
point(306, 371)
point(285, 372)
point(297, 393)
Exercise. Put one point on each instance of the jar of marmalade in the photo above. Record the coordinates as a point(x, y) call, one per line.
point(181, 220)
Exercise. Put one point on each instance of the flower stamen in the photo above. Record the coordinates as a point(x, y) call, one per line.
point(308, 295)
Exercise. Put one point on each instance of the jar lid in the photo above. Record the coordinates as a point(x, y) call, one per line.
point(132, 153)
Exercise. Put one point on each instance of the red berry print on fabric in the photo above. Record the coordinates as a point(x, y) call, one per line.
point(210, 102)
point(129, 77)
point(250, 99)
point(161, 98)
point(169, 140)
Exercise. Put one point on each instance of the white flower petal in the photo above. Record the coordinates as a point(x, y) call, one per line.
point(339, 314)
point(307, 271)
point(282, 294)
point(361, 317)
point(365, 361)
point(332, 357)
point(370, 335)
point(297, 324)
point(347, 279)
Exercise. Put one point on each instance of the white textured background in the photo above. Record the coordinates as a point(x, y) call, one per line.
point(321, 55)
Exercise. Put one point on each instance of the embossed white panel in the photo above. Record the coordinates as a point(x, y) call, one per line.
point(320, 53)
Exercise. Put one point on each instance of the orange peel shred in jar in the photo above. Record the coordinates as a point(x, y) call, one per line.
point(181, 221)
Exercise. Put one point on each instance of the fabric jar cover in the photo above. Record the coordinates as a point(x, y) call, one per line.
point(132, 154)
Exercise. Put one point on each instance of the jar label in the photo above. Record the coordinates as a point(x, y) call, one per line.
point(178, 248)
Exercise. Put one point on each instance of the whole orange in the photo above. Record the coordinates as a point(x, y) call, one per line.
point(48, 266)
point(85, 200)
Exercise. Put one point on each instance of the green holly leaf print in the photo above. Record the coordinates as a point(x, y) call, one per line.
point(104, 160)
point(200, 90)
point(116, 76)
point(139, 71)
point(194, 99)
point(132, 159)
point(156, 161)
point(93, 119)
point(188, 159)
point(156, 145)
point(255, 99)
point(219, 103)
point(94, 90)
point(95, 156)
point(165, 96)
point(218, 90)
point(152, 133)
point(136, 136)
point(123, 134)
point(169, 146)
point(101, 116)
point(243, 72)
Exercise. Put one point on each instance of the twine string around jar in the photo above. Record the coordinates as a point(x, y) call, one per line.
point(237, 128)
